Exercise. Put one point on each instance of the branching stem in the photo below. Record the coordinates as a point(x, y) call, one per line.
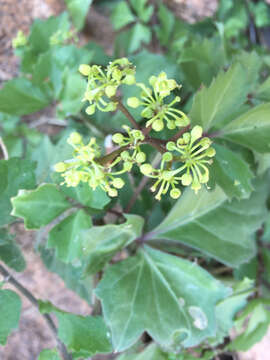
point(141, 186)
point(125, 111)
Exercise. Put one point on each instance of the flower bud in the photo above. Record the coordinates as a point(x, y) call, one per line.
point(167, 157)
point(129, 80)
point(90, 110)
point(110, 90)
point(112, 192)
point(146, 169)
point(170, 146)
point(210, 152)
point(186, 179)
point(196, 132)
point(205, 142)
point(118, 183)
point(127, 165)
point(125, 155)
point(74, 138)
point(60, 167)
point(84, 69)
point(186, 137)
point(117, 74)
point(175, 193)
point(147, 113)
point(118, 138)
point(140, 157)
point(158, 125)
point(133, 102)
point(138, 135)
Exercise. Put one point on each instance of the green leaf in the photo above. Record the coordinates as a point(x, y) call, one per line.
point(231, 173)
point(8, 123)
point(121, 15)
point(10, 310)
point(101, 243)
point(213, 105)
point(47, 155)
point(133, 38)
point(49, 354)
point(167, 21)
point(258, 323)
point(10, 253)
point(263, 91)
point(151, 352)
point(83, 335)
point(200, 61)
point(201, 222)
point(170, 298)
point(15, 174)
point(71, 95)
point(252, 129)
point(20, 97)
point(40, 206)
point(78, 10)
point(95, 199)
point(42, 30)
point(64, 236)
point(53, 64)
point(71, 275)
point(39, 39)
point(143, 11)
point(227, 309)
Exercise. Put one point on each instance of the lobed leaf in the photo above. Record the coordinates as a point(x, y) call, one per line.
point(15, 174)
point(101, 243)
point(170, 298)
point(78, 10)
point(218, 228)
point(85, 336)
point(252, 129)
point(40, 206)
point(213, 105)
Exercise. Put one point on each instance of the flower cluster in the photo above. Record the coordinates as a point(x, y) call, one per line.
point(132, 139)
point(194, 152)
point(87, 167)
point(61, 37)
point(155, 108)
point(184, 162)
point(20, 40)
point(84, 167)
point(103, 84)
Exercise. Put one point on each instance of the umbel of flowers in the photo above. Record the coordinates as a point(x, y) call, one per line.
point(185, 157)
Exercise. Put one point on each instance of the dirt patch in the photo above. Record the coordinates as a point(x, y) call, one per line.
point(192, 10)
point(33, 333)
